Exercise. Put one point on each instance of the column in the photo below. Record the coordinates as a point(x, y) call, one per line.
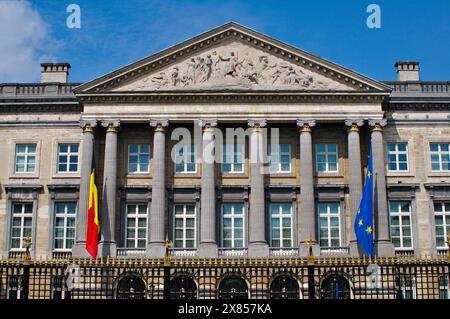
point(355, 177)
point(79, 249)
point(257, 246)
point(208, 240)
point(107, 245)
point(156, 221)
point(307, 207)
point(383, 244)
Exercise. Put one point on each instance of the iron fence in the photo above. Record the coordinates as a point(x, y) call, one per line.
point(226, 278)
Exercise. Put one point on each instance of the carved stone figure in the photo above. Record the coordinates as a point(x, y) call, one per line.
point(222, 67)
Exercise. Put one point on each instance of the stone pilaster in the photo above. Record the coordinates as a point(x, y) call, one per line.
point(355, 177)
point(208, 239)
point(79, 249)
point(307, 207)
point(107, 245)
point(383, 244)
point(156, 224)
point(257, 246)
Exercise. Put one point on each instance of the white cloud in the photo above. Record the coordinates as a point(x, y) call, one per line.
point(25, 42)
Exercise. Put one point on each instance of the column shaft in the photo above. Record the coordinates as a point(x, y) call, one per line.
point(79, 249)
point(355, 171)
point(156, 233)
point(109, 193)
point(257, 239)
point(208, 241)
point(384, 246)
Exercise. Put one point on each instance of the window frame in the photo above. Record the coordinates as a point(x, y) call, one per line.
point(233, 216)
point(399, 214)
point(236, 154)
point(444, 213)
point(191, 153)
point(138, 154)
point(280, 217)
point(326, 154)
point(65, 216)
point(328, 217)
point(27, 154)
point(397, 153)
point(136, 216)
point(279, 154)
point(69, 155)
point(22, 218)
point(184, 217)
point(439, 153)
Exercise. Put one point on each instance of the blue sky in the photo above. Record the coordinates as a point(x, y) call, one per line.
point(115, 33)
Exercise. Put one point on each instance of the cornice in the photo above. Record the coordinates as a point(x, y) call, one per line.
point(230, 97)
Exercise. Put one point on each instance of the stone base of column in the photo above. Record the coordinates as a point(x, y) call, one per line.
point(156, 250)
point(355, 249)
point(79, 251)
point(384, 248)
point(258, 250)
point(304, 250)
point(107, 249)
point(208, 250)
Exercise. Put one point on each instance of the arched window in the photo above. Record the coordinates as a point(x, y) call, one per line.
point(233, 286)
point(284, 286)
point(131, 286)
point(183, 287)
point(335, 286)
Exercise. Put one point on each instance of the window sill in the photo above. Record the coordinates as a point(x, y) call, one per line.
point(66, 175)
point(138, 176)
point(439, 174)
point(400, 174)
point(24, 176)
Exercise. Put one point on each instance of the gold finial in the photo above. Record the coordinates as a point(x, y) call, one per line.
point(309, 243)
point(27, 246)
point(168, 245)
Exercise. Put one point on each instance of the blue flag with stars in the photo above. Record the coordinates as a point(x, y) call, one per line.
point(364, 218)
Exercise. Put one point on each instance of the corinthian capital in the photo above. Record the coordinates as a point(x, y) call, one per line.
point(160, 124)
point(306, 125)
point(377, 125)
point(257, 123)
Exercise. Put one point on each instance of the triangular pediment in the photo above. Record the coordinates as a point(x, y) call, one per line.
point(228, 58)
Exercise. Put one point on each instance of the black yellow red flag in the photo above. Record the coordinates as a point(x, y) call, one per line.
point(93, 223)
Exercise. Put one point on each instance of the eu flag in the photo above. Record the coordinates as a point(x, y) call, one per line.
point(364, 219)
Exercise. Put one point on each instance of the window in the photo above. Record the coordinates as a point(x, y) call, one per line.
point(185, 158)
point(64, 235)
point(185, 230)
point(443, 287)
point(136, 232)
point(442, 223)
point(67, 158)
point(138, 158)
point(398, 157)
point(233, 158)
point(280, 158)
point(440, 157)
point(25, 158)
point(329, 225)
point(326, 158)
point(281, 225)
point(401, 234)
point(233, 226)
point(407, 287)
point(22, 220)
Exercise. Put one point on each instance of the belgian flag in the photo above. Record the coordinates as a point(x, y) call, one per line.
point(93, 223)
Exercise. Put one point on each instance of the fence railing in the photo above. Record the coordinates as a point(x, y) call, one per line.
point(210, 278)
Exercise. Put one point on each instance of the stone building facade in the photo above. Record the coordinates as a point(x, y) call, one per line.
point(230, 77)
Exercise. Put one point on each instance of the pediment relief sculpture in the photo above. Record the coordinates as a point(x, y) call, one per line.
point(234, 65)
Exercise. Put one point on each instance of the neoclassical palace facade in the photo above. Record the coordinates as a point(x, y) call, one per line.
point(151, 186)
